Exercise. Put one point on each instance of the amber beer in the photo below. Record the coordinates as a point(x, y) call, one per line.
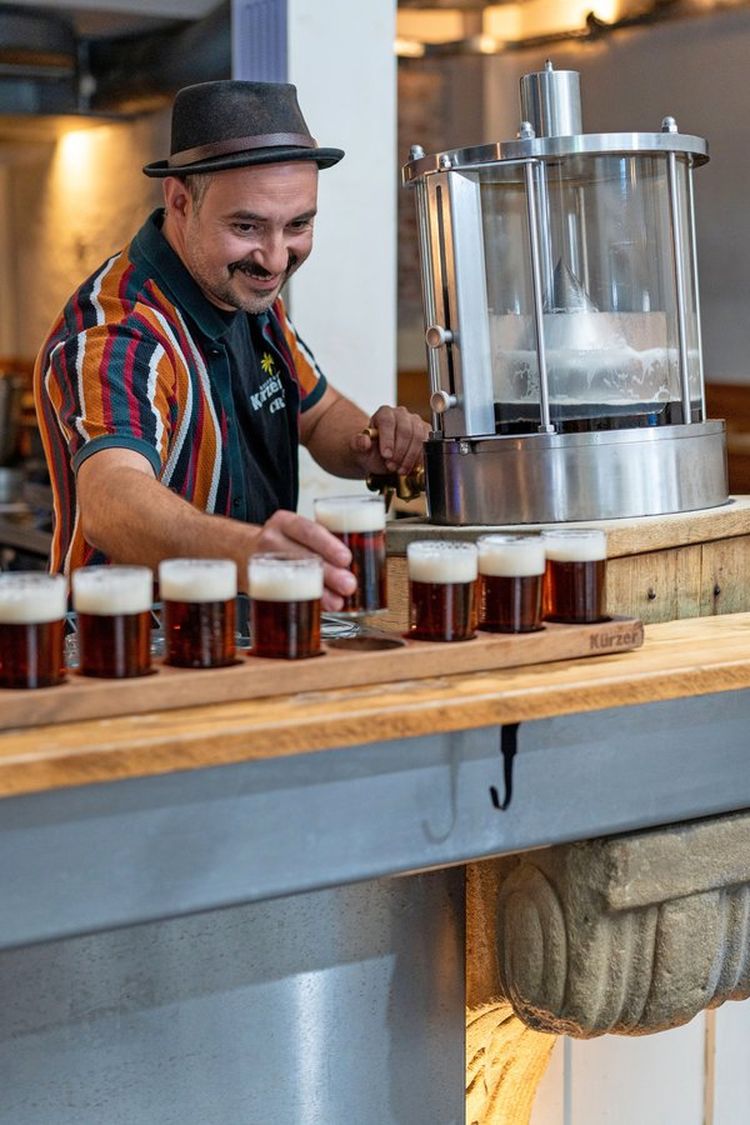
point(32, 628)
point(511, 578)
point(359, 522)
point(285, 595)
point(442, 590)
point(199, 597)
point(575, 575)
point(113, 607)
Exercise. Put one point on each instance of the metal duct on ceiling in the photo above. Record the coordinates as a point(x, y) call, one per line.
point(38, 62)
point(46, 69)
point(35, 42)
point(136, 73)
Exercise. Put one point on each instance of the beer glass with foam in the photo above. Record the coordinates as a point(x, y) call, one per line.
point(32, 627)
point(511, 578)
point(199, 598)
point(442, 590)
point(113, 607)
point(575, 575)
point(359, 522)
point(285, 594)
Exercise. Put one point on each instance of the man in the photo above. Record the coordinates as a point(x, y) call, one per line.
point(173, 390)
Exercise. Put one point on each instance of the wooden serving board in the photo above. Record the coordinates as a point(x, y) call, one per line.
point(371, 658)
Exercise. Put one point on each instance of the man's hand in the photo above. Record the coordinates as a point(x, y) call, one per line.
point(397, 448)
point(293, 534)
point(133, 518)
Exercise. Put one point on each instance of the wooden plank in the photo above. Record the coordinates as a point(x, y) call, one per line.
point(725, 566)
point(396, 616)
point(339, 667)
point(658, 586)
point(624, 536)
point(678, 659)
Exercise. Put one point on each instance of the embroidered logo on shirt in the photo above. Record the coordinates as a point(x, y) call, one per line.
point(271, 388)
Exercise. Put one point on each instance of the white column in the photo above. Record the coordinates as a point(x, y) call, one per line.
point(651, 1079)
point(343, 301)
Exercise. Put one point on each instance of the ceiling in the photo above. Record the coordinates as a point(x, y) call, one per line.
point(107, 18)
point(116, 17)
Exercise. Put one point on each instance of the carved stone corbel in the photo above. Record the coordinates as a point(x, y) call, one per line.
point(631, 934)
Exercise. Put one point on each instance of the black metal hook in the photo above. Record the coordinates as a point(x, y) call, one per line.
point(508, 748)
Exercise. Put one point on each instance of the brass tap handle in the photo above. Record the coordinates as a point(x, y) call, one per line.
point(406, 486)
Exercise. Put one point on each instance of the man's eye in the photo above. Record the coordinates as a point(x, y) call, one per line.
point(301, 224)
point(245, 228)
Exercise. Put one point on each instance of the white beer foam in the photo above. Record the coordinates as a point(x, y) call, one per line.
point(511, 558)
point(589, 547)
point(110, 590)
point(197, 580)
point(32, 599)
point(442, 562)
point(284, 582)
point(351, 514)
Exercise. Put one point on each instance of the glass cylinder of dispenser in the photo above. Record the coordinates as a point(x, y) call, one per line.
point(614, 233)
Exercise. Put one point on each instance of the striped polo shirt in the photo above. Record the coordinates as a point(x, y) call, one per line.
point(139, 359)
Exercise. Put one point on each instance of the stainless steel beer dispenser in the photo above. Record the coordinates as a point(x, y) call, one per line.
point(562, 321)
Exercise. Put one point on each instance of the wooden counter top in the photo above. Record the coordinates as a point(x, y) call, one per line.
point(632, 536)
point(679, 658)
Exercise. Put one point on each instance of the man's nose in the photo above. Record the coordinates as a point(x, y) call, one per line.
point(273, 255)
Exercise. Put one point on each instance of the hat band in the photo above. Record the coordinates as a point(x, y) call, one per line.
point(240, 144)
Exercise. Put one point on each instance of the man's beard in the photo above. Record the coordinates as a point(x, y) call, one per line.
point(225, 293)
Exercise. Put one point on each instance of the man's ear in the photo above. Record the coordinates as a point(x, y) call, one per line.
point(176, 196)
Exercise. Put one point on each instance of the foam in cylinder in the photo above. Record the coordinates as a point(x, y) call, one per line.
point(285, 580)
point(441, 562)
point(197, 580)
point(112, 590)
point(28, 598)
point(347, 514)
point(572, 546)
point(511, 557)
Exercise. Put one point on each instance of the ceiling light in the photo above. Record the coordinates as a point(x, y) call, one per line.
point(408, 48)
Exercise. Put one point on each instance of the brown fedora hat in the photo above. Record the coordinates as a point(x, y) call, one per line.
point(217, 125)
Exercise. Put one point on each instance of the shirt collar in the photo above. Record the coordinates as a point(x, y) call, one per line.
point(174, 277)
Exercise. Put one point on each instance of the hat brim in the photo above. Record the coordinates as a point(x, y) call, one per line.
point(323, 157)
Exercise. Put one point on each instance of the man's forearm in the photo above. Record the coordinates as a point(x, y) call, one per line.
point(333, 431)
point(126, 513)
point(133, 518)
point(329, 441)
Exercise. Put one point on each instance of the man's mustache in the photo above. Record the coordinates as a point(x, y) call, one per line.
point(253, 270)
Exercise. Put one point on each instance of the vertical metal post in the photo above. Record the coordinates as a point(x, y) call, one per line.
point(538, 296)
point(428, 282)
point(694, 254)
point(471, 349)
point(679, 273)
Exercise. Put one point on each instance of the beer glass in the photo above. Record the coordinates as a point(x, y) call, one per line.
point(511, 578)
point(359, 522)
point(113, 605)
point(442, 590)
point(285, 595)
point(199, 611)
point(32, 627)
point(575, 575)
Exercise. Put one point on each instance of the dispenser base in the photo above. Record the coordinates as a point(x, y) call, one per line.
point(556, 478)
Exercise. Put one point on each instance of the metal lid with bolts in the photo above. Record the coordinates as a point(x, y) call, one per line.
point(552, 127)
